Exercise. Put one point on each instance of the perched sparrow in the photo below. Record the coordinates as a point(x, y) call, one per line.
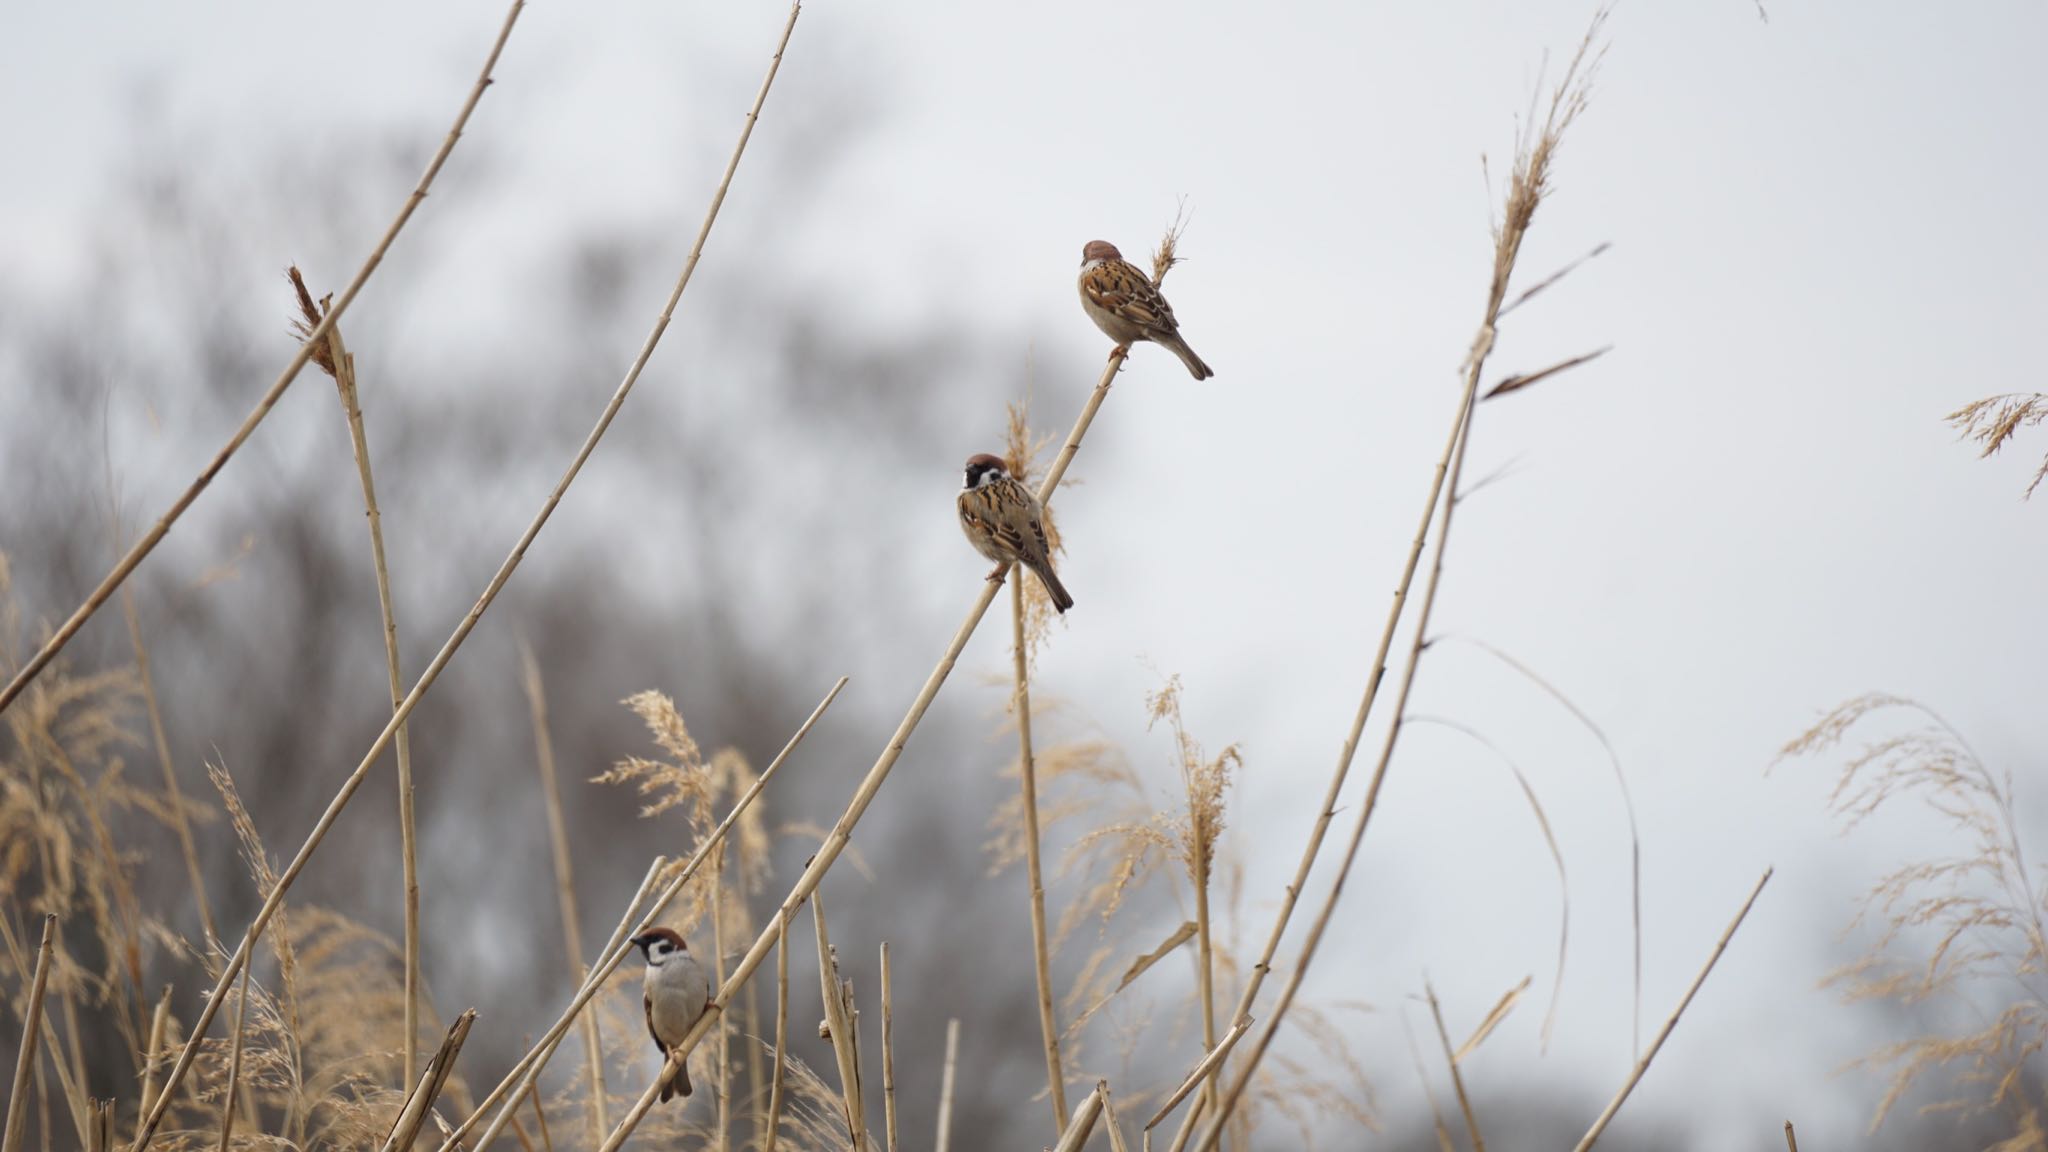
point(1123, 303)
point(1004, 522)
point(676, 992)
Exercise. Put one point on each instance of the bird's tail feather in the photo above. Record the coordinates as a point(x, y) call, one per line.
point(1058, 591)
point(1196, 368)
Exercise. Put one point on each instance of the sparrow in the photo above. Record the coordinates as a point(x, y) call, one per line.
point(1005, 522)
point(1126, 305)
point(675, 993)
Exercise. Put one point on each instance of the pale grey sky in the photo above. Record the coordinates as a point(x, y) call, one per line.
point(1825, 236)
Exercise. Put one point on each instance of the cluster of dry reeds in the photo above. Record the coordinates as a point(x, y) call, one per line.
point(322, 1045)
point(1959, 936)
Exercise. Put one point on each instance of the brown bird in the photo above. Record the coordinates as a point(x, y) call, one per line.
point(675, 993)
point(1004, 522)
point(1126, 305)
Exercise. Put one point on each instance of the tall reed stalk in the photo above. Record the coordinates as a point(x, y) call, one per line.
point(565, 880)
point(1027, 774)
point(1528, 183)
point(340, 364)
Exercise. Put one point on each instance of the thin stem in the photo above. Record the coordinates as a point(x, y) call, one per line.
point(100, 1137)
point(227, 1103)
point(16, 1127)
point(1116, 1130)
point(540, 1121)
point(1635, 1076)
point(944, 1140)
point(781, 1034)
point(889, 1052)
point(1048, 1023)
point(1205, 963)
point(1209, 1062)
point(153, 1057)
point(157, 531)
point(1443, 1036)
point(412, 1116)
point(343, 364)
point(1082, 1125)
point(723, 1050)
point(839, 1025)
point(565, 880)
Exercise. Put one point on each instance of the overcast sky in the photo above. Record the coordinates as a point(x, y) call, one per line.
point(1826, 235)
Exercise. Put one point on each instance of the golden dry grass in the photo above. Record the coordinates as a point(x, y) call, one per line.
point(1962, 932)
point(1993, 422)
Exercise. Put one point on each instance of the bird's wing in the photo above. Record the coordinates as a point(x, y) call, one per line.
point(1118, 286)
point(990, 513)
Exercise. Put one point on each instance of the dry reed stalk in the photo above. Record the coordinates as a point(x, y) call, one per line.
point(1116, 1129)
point(1027, 775)
point(491, 590)
point(31, 1028)
point(1643, 1065)
point(1791, 1140)
point(565, 879)
point(142, 547)
point(1444, 1142)
point(1443, 1036)
point(1202, 1069)
point(540, 1121)
point(944, 1139)
point(723, 1050)
point(413, 1115)
point(781, 1035)
point(519, 1133)
point(1187, 1125)
point(180, 822)
point(889, 1052)
point(1082, 1125)
point(339, 363)
point(227, 1102)
point(839, 1018)
point(528, 1069)
point(1139, 967)
point(67, 1059)
point(151, 1059)
point(750, 1026)
point(100, 1135)
point(1527, 187)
